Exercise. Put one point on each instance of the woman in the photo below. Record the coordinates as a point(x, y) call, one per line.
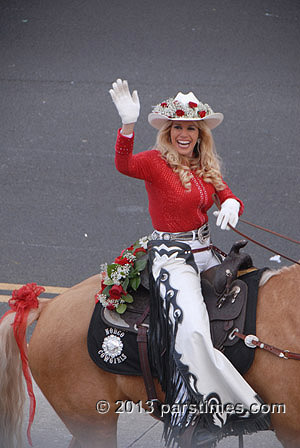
point(181, 174)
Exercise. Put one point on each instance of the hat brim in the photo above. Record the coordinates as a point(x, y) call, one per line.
point(157, 120)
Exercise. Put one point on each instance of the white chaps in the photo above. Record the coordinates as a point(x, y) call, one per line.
point(191, 370)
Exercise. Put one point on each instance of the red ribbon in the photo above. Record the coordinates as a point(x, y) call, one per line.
point(22, 301)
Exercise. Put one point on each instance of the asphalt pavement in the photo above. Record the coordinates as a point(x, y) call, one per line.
point(64, 207)
point(135, 430)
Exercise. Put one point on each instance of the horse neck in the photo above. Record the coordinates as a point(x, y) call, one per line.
point(278, 306)
point(287, 284)
point(291, 272)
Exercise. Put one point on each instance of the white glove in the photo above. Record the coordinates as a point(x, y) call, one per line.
point(229, 214)
point(128, 106)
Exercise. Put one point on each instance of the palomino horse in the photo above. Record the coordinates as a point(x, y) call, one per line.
point(72, 383)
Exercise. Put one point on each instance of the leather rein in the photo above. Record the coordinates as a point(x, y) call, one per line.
point(217, 202)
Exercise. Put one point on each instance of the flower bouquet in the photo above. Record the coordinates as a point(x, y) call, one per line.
point(122, 276)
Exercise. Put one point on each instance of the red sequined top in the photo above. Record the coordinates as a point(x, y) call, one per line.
point(172, 208)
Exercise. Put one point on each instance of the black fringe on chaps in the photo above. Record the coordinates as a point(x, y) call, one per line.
point(172, 373)
point(175, 378)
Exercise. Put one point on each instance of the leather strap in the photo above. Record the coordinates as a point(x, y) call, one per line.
point(269, 231)
point(285, 354)
point(142, 340)
point(209, 247)
point(144, 360)
point(202, 249)
point(143, 316)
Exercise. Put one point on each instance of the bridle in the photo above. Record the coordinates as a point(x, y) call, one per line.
point(217, 202)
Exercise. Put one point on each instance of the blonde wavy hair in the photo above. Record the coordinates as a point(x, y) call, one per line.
point(205, 160)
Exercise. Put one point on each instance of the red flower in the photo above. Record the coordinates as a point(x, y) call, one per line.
point(179, 113)
point(139, 249)
point(111, 307)
point(193, 105)
point(116, 292)
point(163, 104)
point(128, 249)
point(120, 260)
point(202, 113)
point(103, 286)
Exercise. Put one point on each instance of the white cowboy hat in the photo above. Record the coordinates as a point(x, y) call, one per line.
point(184, 107)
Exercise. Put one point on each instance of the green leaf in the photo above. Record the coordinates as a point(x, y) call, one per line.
point(135, 283)
point(121, 308)
point(140, 264)
point(125, 284)
point(133, 273)
point(128, 298)
point(110, 268)
point(106, 290)
point(140, 254)
point(136, 245)
point(108, 281)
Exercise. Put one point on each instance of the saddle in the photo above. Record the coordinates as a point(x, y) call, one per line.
point(224, 294)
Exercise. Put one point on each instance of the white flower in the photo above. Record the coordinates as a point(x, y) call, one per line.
point(119, 273)
point(143, 242)
point(129, 256)
point(103, 267)
point(170, 107)
point(102, 299)
point(116, 278)
point(124, 270)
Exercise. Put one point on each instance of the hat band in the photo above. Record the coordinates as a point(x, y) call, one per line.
point(174, 109)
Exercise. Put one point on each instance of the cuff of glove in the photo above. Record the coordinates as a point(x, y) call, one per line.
point(126, 135)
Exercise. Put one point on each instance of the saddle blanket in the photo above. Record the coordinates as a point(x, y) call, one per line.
point(116, 351)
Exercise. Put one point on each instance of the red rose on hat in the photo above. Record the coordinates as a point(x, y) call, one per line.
point(202, 113)
point(193, 105)
point(179, 113)
point(163, 104)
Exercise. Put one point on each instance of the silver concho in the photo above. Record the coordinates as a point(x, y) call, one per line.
point(248, 340)
point(112, 346)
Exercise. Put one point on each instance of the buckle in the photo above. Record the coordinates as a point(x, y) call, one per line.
point(203, 233)
point(154, 235)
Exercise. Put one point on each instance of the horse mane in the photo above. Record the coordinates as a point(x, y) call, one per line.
point(272, 272)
